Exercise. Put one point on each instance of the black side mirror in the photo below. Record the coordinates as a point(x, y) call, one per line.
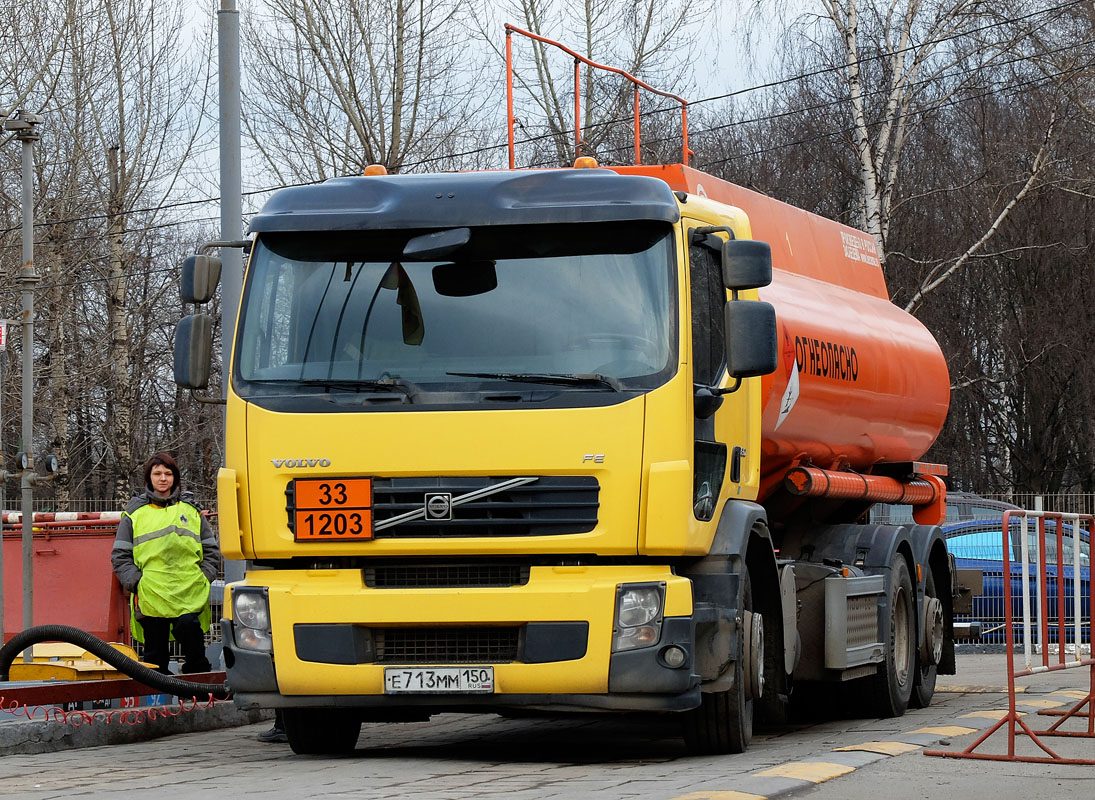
point(746, 264)
point(200, 275)
point(751, 343)
point(193, 351)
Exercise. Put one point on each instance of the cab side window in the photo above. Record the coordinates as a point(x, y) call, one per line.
point(708, 299)
point(708, 362)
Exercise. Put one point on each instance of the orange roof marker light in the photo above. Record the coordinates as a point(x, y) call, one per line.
point(375, 169)
point(586, 162)
point(578, 61)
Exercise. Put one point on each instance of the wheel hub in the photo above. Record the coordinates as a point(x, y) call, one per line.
point(932, 649)
point(753, 657)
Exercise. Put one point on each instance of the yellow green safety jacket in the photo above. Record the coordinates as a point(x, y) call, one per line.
point(166, 553)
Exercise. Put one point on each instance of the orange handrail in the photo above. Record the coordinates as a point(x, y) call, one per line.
point(578, 60)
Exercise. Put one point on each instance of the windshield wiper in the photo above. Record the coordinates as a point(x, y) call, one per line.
point(562, 378)
point(363, 384)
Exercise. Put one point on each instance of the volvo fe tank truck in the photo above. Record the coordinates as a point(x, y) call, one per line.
point(570, 440)
point(576, 439)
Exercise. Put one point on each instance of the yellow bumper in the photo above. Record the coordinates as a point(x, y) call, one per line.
point(552, 594)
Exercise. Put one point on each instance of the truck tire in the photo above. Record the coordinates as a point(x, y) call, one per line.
point(321, 731)
point(723, 723)
point(924, 687)
point(892, 687)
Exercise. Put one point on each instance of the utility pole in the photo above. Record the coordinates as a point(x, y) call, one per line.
point(228, 47)
point(4, 474)
point(23, 126)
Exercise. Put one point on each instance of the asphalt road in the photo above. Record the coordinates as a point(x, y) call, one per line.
point(458, 757)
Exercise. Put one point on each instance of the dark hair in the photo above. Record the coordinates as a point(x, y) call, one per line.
point(165, 460)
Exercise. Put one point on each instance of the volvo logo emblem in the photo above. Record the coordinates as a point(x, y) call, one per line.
point(438, 505)
point(300, 463)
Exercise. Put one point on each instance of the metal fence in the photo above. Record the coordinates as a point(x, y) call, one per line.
point(986, 545)
point(989, 611)
point(1066, 503)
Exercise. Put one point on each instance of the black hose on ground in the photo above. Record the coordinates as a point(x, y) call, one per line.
point(103, 650)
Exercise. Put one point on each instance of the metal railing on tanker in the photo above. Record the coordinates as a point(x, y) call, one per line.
point(1037, 634)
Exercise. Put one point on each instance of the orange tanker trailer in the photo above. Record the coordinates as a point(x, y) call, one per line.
point(861, 385)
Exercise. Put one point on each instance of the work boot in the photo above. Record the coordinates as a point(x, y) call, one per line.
point(273, 736)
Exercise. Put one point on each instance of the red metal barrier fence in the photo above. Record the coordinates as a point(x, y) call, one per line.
point(1053, 535)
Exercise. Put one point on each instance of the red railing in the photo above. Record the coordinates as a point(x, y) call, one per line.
point(578, 61)
point(1079, 529)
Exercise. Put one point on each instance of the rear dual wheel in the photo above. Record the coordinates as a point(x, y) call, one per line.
point(932, 649)
point(892, 687)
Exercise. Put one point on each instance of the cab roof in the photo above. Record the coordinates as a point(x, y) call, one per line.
point(463, 199)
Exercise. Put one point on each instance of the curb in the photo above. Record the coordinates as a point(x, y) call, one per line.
point(49, 736)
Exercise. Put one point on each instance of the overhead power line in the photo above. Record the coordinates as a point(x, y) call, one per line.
point(1021, 85)
point(550, 135)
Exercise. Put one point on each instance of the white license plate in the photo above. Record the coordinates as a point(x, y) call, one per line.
point(438, 680)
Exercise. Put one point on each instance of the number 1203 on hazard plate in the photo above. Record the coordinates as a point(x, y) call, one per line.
point(438, 680)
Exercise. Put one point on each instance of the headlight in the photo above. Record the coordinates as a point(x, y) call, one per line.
point(639, 610)
point(252, 610)
point(251, 614)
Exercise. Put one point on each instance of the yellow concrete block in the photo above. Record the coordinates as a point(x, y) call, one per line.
point(813, 771)
point(1075, 694)
point(992, 714)
point(1040, 702)
point(946, 730)
point(885, 748)
point(721, 795)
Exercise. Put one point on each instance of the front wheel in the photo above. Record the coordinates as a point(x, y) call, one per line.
point(723, 723)
point(892, 687)
point(322, 731)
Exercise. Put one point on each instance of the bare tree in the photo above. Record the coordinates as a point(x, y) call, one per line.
point(977, 177)
point(335, 87)
point(892, 65)
point(122, 112)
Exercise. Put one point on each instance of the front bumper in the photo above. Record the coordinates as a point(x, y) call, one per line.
point(329, 633)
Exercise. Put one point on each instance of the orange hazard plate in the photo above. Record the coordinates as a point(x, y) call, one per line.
point(329, 509)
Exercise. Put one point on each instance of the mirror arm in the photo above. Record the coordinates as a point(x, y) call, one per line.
point(728, 389)
point(696, 233)
point(243, 244)
point(213, 401)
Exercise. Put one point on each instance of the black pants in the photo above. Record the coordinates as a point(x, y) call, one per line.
point(188, 633)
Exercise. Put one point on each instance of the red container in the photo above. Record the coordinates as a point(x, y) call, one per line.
point(73, 581)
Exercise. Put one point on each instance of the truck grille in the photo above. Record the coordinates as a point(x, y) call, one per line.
point(443, 576)
point(445, 645)
point(545, 506)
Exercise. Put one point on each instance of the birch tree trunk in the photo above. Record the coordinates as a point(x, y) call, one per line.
point(119, 426)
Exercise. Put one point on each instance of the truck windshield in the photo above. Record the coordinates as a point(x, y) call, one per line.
point(549, 308)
